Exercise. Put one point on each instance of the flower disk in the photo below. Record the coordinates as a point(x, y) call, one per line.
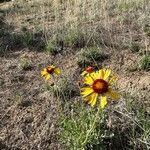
point(100, 86)
point(50, 70)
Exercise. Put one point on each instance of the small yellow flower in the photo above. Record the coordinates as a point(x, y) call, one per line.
point(87, 70)
point(48, 71)
point(99, 86)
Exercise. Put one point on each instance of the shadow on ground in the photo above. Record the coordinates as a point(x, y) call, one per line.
point(11, 40)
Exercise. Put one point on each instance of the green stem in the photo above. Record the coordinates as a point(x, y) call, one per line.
point(92, 128)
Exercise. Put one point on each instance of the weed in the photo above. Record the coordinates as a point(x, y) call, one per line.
point(126, 6)
point(139, 130)
point(27, 39)
point(55, 44)
point(74, 38)
point(50, 47)
point(129, 128)
point(32, 40)
point(25, 64)
point(75, 128)
point(145, 62)
point(90, 56)
point(65, 89)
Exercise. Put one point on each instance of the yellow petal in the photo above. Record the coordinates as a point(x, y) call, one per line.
point(86, 91)
point(57, 71)
point(94, 98)
point(95, 75)
point(100, 74)
point(83, 73)
point(113, 94)
point(114, 78)
point(106, 73)
point(47, 77)
point(43, 72)
point(91, 99)
point(88, 80)
point(103, 102)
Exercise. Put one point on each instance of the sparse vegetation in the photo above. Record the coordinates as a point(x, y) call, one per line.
point(51, 46)
point(74, 39)
point(139, 128)
point(90, 56)
point(55, 44)
point(132, 133)
point(76, 124)
point(25, 64)
point(64, 89)
point(145, 63)
point(76, 34)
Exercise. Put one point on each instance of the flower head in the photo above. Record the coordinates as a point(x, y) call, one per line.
point(48, 71)
point(99, 86)
point(87, 70)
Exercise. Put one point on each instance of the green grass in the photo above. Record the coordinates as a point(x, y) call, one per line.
point(74, 39)
point(51, 46)
point(145, 63)
point(130, 127)
point(64, 89)
point(90, 56)
point(139, 128)
point(55, 44)
point(76, 125)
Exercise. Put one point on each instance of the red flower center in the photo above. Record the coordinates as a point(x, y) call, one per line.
point(100, 86)
point(50, 70)
point(89, 69)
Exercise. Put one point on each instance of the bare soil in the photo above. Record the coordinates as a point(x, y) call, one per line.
point(29, 112)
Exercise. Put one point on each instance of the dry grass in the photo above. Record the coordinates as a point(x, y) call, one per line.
point(29, 111)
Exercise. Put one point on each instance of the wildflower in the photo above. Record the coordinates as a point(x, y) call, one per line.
point(99, 86)
point(88, 70)
point(48, 71)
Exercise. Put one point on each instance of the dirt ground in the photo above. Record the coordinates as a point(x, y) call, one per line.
point(29, 112)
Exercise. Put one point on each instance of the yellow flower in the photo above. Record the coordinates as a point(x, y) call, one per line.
point(87, 70)
point(48, 71)
point(99, 86)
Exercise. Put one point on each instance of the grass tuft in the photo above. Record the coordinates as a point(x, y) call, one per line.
point(75, 39)
point(145, 63)
point(64, 89)
point(25, 64)
point(51, 46)
point(55, 44)
point(90, 56)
